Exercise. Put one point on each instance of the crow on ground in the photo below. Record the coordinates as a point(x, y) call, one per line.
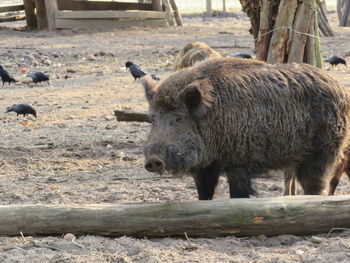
point(38, 77)
point(5, 76)
point(24, 109)
point(136, 72)
point(335, 60)
point(242, 55)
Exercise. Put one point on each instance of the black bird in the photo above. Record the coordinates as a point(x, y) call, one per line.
point(335, 60)
point(242, 55)
point(136, 72)
point(38, 77)
point(5, 76)
point(24, 109)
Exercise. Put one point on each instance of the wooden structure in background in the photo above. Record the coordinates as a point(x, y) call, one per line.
point(13, 8)
point(74, 14)
point(29, 9)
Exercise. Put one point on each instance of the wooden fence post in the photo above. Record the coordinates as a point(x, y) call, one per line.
point(41, 17)
point(157, 5)
point(29, 9)
point(51, 7)
point(209, 7)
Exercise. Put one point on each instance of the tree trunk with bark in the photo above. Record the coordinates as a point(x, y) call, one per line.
point(287, 30)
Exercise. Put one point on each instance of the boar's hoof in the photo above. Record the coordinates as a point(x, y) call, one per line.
point(155, 165)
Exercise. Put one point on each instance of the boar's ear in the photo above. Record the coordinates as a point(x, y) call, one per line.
point(150, 86)
point(197, 97)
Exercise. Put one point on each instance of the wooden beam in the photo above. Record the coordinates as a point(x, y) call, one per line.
point(107, 23)
point(109, 14)
point(41, 17)
point(209, 7)
point(177, 14)
point(11, 8)
point(297, 215)
point(157, 5)
point(87, 5)
point(29, 9)
point(12, 18)
point(51, 9)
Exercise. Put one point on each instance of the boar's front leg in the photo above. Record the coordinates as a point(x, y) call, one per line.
point(206, 180)
point(240, 183)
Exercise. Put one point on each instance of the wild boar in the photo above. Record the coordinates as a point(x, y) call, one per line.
point(243, 117)
point(290, 180)
point(193, 53)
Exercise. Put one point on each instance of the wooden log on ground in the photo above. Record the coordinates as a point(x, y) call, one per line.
point(12, 18)
point(131, 116)
point(297, 215)
point(41, 17)
point(29, 9)
point(177, 14)
point(11, 8)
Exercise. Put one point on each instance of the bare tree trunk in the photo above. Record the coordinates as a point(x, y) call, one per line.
point(278, 48)
point(282, 28)
point(302, 26)
point(322, 19)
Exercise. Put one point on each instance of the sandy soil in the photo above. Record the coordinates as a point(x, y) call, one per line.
point(76, 152)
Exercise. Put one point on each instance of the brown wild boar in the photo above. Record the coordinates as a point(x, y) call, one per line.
point(193, 53)
point(290, 181)
point(243, 117)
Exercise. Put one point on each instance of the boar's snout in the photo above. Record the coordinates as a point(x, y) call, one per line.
point(155, 165)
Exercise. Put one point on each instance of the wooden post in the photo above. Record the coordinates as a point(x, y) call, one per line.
point(177, 14)
point(224, 5)
point(209, 8)
point(41, 17)
point(169, 13)
point(29, 9)
point(297, 215)
point(157, 5)
point(51, 8)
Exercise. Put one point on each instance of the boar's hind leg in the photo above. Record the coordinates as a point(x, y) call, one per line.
point(311, 173)
point(240, 183)
point(206, 180)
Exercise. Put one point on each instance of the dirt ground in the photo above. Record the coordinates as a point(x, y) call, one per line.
point(76, 151)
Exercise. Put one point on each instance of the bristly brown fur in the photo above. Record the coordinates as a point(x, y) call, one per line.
point(252, 117)
point(194, 53)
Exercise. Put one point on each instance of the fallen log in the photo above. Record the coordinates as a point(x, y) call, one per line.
point(298, 215)
point(131, 116)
